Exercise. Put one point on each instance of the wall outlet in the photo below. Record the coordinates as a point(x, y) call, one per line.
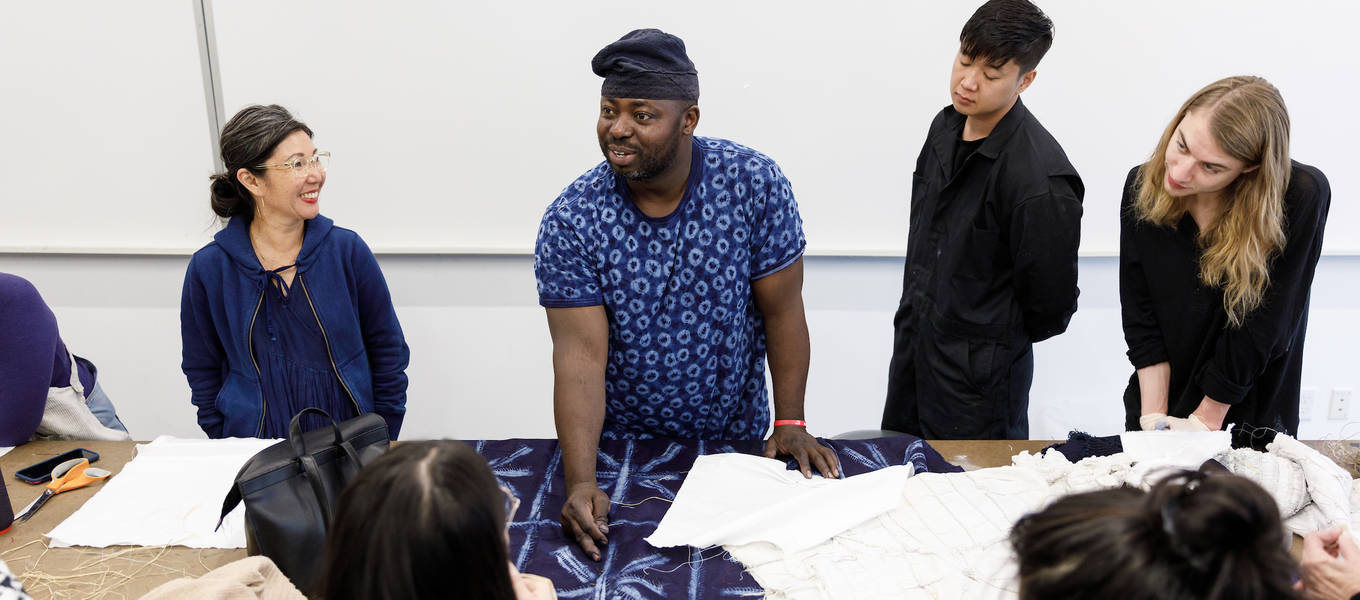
point(1307, 403)
point(1340, 408)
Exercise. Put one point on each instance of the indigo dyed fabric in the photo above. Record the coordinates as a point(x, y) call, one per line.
point(1081, 445)
point(630, 472)
point(686, 342)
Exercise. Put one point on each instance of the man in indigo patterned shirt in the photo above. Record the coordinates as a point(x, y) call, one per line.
point(668, 271)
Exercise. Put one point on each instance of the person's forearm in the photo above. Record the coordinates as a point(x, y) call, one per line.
point(1211, 412)
point(578, 412)
point(789, 349)
point(1154, 387)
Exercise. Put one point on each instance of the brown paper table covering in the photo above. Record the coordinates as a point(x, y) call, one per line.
point(130, 571)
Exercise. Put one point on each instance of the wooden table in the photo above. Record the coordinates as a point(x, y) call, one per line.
point(130, 571)
point(114, 572)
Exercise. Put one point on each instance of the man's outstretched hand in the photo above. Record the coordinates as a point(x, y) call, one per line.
point(585, 517)
point(795, 441)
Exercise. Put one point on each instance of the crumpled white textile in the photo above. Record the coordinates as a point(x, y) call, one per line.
point(1152, 456)
point(949, 537)
point(738, 499)
point(1355, 510)
point(1280, 476)
point(1329, 487)
point(946, 539)
point(1094, 473)
point(170, 494)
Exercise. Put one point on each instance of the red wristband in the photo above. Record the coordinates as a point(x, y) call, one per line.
point(794, 422)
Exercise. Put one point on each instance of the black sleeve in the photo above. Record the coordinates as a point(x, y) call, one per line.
point(1045, 232)
point(1142, 332)
point(1242, 353)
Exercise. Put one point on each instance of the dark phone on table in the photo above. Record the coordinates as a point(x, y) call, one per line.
point(42, 472)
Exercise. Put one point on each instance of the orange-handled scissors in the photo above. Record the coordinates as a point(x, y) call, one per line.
point(70, 475)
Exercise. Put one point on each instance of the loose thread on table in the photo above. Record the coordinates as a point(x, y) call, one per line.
point(1342, 452)
point(641, 501)
point(99, 558)
point(93, 577)
point(690, 563)
point(1338, 450)
point(13, 550)
point(1256, 432)
point(625, 504)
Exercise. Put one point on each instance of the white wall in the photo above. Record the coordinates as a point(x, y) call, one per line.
point(102, 115)
point(453, 123)
point(480, 351)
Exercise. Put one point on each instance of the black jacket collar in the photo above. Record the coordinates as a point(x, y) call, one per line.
point(996, 140)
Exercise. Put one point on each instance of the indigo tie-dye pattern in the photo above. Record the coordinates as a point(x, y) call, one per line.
point(630, 472)
point(686, 341)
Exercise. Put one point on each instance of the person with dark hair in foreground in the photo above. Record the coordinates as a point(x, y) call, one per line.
point(992, 250)
point(284, 310)
point(425, 520)
point(1195, 535)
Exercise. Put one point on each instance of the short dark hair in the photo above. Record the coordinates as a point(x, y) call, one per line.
point(424, 520)
point(1194, 535)
point(1002, 30)
point(248, 140)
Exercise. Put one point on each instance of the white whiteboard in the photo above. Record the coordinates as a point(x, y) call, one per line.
point(104, 135)
point(454, 124)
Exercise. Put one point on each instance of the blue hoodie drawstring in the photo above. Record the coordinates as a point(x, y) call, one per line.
point(273, 276)
point(277, 279)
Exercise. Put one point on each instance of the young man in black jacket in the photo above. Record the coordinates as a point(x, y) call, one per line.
point(992, 248)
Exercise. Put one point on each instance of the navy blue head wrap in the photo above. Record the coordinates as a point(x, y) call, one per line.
point(649, 64)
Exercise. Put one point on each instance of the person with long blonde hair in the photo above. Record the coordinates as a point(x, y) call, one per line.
point(1220, 233)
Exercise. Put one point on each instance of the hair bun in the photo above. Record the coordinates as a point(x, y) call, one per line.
point(226, 198)
point(1207, 516)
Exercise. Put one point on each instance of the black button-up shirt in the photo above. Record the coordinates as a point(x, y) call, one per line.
point(1170, 316)
point(992, 248)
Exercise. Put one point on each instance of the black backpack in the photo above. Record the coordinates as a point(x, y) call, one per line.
point(291, 488)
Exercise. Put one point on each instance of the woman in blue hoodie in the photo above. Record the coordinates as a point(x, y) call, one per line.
point(283, 310)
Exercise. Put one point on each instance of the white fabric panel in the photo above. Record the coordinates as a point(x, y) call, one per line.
point(773, 503)
point(1185, 449)
point(170, 494)
point(946, 539)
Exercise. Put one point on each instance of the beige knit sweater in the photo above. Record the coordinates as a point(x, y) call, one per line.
point(252, 578)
